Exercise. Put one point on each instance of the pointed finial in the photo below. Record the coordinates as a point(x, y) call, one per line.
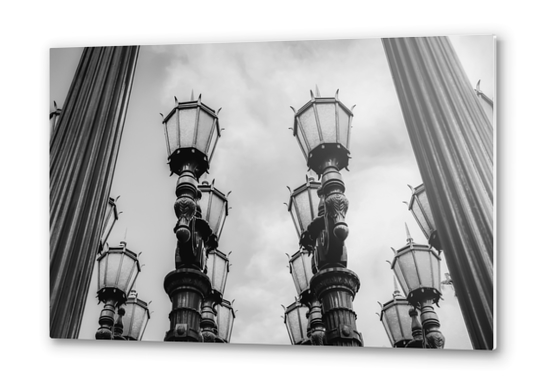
point(411, 189)
point(312, 95)
point(352, 109)
point(394, 251)
point(409, 237)
point(176, 101)
point(54, 103)
point(317, 90)
point(219, 109)
point(478, 85)
point(199, 99)
point(337, 95)
point(192, 95)
point(293, 109)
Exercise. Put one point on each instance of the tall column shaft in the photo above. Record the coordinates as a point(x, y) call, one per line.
point(83, 154)
point(452, 140)
point(336, 288)
point(186, 288)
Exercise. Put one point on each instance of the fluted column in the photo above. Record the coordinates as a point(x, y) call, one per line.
point(452, 139)
point(186, 288)
point(336, 288)
point(83, 154)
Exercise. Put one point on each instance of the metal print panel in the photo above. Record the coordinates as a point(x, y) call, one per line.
point(318, 193)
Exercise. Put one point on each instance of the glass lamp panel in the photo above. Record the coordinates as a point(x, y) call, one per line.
point(217, 214)
point(308, 125)
point(127, 274)
point(328, 121)
point(344, 126)
point(300, 267)
point(217, 270)
point(187, 125)
point(172, 133)
point(435, 266)
point(213, 208)
point(426, 209)
point(304, 206)
point(205, 128)
point(215, 134)
point(297, 322)
point(420, 218)
point(109, 220)
point(224, 320)
point(396, 320)
point(406, 272)
point(112, 264)
point(425, 270)
point(135, 319)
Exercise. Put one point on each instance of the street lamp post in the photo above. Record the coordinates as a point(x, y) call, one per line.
point(192, 130)
point(417, 268)
point(322, 128)
point(118, 268)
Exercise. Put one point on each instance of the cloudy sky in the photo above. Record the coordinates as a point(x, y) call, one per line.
point(257, 157)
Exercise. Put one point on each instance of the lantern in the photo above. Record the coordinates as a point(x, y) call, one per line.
point(54, 118)
point(218, 267)
point(419, 206)
point(192, 131)
point(322, 128)
point(300, 268)
point(417, 267)
point(214, 207)
point(118, 268)
point(303, 205)
point(396, 320)
point(111, 217)
point(225, 315)
point(297, 322)
point(136, 317)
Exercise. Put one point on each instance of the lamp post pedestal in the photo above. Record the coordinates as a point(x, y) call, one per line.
point(209, 329)
point(186, 288)
point(335, 288)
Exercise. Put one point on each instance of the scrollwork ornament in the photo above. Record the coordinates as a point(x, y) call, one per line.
point(435, 339)
point(336, 208)
point(185, 209)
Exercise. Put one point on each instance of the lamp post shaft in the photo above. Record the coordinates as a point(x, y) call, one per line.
point(186, 288)
point(106, 321)
point(452, 140)
point(208, 324)
point(336, 288)
point(83, 153)
point(431, 324)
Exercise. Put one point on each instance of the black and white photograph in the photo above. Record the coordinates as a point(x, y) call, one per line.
point(310, 193)
point(229, 190)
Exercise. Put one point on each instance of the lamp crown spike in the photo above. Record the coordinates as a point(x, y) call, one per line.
point(317, 91)
point(409, 237)
point(312, 95)
point(192, 95)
